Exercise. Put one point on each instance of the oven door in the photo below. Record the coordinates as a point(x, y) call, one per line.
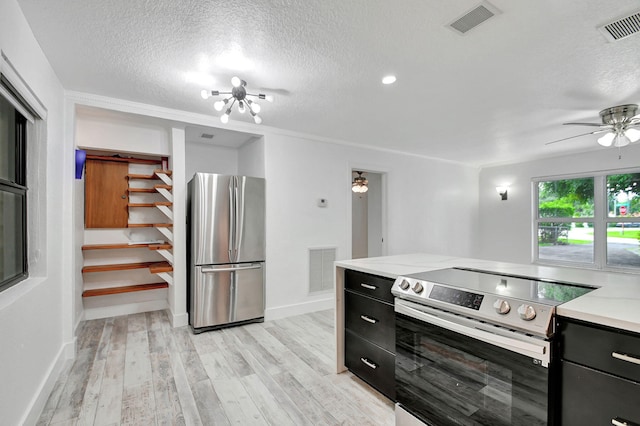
point(451, 370)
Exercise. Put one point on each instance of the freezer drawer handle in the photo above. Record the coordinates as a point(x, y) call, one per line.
point(625, 357)
point(368, 363)
point(619, 421)
point(244, 268)
point(368, 286)
point(369, 319)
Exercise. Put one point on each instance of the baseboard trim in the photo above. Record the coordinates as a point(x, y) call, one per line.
point(299, 308)
point(37, 404)
point(178, 320)
point(128, 309)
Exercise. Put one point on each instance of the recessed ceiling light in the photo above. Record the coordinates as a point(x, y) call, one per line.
point(389, 79)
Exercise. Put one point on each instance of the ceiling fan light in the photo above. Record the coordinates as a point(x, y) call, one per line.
point(621, 140)
point(632, 134)
point(607, 139)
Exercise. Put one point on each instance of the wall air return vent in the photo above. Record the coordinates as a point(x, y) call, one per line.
point(621, 28)
point(321, 270)
point(474, 17)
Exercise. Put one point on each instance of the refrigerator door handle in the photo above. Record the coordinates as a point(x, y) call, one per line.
point(230, 269)
point(239, 218)
point(231, 218)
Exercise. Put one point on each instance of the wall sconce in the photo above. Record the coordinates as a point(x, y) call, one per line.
point(81, 156)
point(502, 191)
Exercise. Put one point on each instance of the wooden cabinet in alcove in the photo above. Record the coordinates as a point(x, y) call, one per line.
point(105, 193)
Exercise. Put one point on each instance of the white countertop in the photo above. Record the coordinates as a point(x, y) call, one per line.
point(616, 303)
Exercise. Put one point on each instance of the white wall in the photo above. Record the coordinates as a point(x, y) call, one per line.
point(201, 157)
point(506, 232)
point(36, 315)
point(251, 158)
point(374, 215)
point(432, 207)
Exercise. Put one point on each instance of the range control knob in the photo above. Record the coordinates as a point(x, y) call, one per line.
point(526, 312)
point(417, 288)
point(404, 284)
point(502, 306)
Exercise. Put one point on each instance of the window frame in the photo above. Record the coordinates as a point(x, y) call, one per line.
point(600, 220)
point(19, 187)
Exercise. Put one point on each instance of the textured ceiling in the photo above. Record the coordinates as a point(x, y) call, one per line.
point(496, 94)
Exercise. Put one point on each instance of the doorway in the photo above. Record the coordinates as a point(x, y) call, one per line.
point(367, 217)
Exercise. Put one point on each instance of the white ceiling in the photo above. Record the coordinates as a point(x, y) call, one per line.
point(496, 94)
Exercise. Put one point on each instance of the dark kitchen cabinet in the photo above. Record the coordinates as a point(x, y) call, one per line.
point(600, 375)
point(370, 330)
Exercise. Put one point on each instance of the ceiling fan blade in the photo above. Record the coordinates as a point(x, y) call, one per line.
point(577, 136)
point(584, 124)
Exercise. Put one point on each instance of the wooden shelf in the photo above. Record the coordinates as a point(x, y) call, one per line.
point(120, 267)
point(150, 225)
point(159, 267)
point(146, 190)
point(155, 204)
point(152, 246)
point(124, 289)
point(163, 186)
point(153, 176)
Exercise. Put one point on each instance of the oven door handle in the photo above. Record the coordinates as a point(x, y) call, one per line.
point(535, 350)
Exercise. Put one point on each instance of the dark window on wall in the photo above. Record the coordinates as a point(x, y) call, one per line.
point(13, 195)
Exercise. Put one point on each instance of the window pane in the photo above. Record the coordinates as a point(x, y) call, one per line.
point(566, 198)
point(624, 195)
point(11, 233)
point(7, 141)
point(623, 247)
point(572, 242)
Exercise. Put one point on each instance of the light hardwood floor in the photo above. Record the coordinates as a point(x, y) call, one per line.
point(137, 370)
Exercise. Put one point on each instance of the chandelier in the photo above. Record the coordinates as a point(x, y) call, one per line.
point(238, 95)
point(360, 184)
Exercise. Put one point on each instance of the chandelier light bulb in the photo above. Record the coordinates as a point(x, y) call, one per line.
point(257, 119)
point(205, 94)
point(218, 105)
point(254, 106)
point(224, 118)
point(241, 107)
point(607, 139)
point(632, 134)
point(269, 98)
point(236, 82)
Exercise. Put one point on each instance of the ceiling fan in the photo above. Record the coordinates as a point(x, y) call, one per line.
point(619, 125)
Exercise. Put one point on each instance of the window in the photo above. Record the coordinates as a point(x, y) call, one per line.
point(589, 221)
point(13, 195)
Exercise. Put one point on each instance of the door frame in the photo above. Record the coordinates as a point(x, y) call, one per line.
point(367, 168)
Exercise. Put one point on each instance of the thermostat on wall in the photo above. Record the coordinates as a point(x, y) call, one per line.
point(322, 202)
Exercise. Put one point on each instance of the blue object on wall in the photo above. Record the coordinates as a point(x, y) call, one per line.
point(81, 156)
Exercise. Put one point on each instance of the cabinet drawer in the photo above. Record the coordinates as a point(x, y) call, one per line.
point(370, 285)
point(601, 348)
point(590, 397)
point(371, 363)
point(371, 319)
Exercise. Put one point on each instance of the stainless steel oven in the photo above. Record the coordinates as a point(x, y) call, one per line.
point(475, 348)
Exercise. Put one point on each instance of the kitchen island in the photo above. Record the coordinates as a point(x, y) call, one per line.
point(615, 303)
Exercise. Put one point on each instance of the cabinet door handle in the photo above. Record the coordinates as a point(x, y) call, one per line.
point(368, 286)
point(368, 363)
point(619, 421)
point(625, 357)
point(369, 319)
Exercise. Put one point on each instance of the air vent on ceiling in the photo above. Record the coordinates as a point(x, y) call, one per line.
point(206, 136)
point(621, 28)
point(474, 17)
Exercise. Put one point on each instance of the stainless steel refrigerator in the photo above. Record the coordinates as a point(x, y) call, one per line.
point(226, 220)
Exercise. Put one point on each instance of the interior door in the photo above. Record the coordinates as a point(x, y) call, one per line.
point(105, 194)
